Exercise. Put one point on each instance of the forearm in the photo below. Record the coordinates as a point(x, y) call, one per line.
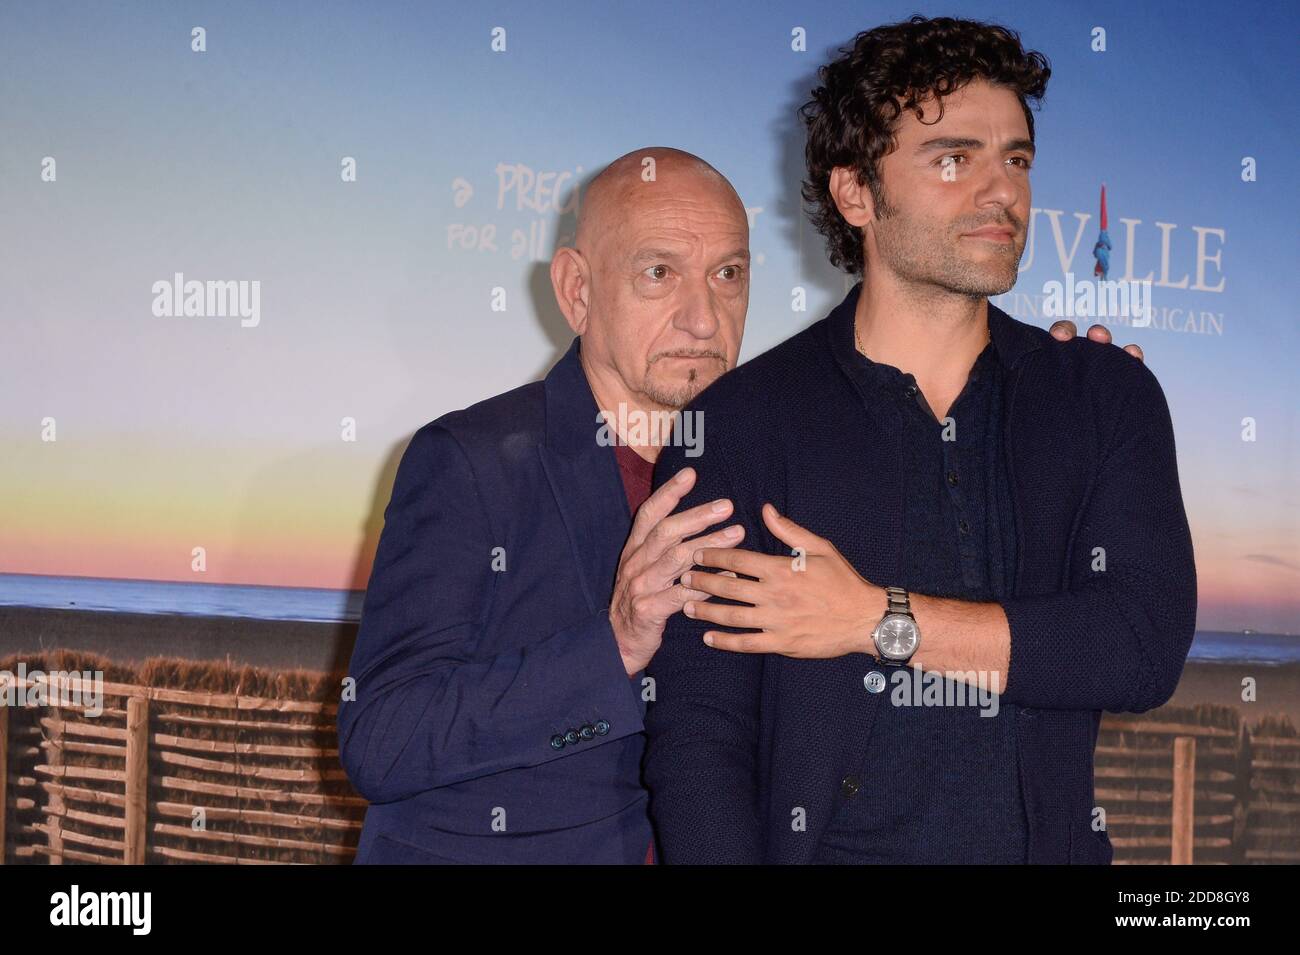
point(420, 720)
point(970, 641)
point(1098, 646)
point(1087, 649)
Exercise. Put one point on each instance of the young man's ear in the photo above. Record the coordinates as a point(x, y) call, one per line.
point(852, 198)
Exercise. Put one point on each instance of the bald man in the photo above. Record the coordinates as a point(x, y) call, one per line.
point(514, 602)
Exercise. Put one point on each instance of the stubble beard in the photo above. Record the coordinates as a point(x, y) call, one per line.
point(916, 252)
point(677, 395)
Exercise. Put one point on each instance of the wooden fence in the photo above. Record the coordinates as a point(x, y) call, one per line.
point(1195, 785)
point(169, 775)
point(164, 775)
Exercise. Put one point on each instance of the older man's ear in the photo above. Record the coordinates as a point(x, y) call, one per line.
point(571, 281)
point(1064, 330)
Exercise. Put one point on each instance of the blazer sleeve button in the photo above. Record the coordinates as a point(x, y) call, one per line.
point(557, 742)
point(602, 727)
point(587, 732)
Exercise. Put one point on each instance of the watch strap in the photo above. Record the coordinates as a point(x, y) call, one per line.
point(898, 601)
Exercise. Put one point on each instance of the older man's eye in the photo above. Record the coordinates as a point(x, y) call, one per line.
point(657, 272)
point(735, 270)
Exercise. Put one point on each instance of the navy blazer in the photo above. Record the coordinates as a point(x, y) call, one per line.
point(741, 747)
point(493, 720)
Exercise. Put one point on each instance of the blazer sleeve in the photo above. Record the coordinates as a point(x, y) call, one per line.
point(1117, 639)
point(428, 710)
point(701, 727)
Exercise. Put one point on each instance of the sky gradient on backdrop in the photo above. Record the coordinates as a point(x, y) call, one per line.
point(182, 432)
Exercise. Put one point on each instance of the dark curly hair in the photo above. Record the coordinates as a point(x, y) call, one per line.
point(851, 117)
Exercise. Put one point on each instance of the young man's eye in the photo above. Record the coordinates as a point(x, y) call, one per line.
point(951, 159)
point(1025, 163)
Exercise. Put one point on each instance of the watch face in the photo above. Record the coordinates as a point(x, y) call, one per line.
point(898, 636)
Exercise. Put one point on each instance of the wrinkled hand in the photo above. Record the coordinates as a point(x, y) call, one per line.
point(1065, 329)
point(646, 592)
point(826, 609)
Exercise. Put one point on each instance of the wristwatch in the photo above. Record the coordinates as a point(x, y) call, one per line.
point(896, 637)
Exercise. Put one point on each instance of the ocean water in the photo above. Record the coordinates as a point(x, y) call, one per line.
point(166, 597)
point(1219, 646)
point(328, 606)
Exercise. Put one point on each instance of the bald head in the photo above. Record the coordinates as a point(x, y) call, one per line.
point(643, 173)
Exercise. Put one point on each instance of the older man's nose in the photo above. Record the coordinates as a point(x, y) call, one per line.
point(699, 315)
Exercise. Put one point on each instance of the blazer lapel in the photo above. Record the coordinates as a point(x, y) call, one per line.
point(584, 478)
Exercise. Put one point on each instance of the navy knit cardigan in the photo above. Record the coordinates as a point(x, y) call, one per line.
point(746, 753)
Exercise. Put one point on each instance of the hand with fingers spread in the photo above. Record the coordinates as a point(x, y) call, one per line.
point(815, 607)
point(1065, 329)
point(646, 590)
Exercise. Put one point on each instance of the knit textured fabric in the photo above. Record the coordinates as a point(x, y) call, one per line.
point(746, 753)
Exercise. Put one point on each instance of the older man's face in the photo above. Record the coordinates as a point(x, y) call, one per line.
point(670, 288)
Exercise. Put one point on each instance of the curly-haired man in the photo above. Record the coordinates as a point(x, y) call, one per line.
point(964, 539)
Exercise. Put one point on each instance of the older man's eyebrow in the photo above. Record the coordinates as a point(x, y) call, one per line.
point(654, 255)
point(962, 142)
point(667, 255)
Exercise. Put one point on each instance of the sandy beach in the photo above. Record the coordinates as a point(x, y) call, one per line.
point(1277, 688)
point(327, 647)
point(123, 637)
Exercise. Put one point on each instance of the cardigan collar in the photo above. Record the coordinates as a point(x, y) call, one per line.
point(1011, 339)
